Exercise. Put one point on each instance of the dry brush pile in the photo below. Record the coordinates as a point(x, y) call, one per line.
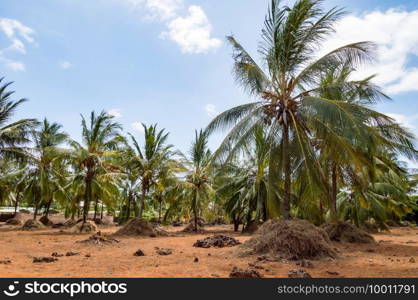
point(295, 240)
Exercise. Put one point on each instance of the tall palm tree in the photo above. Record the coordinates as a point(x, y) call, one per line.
point(150, 161)
point(286, 85)
point(95, 175)
point(47, 170)
point(356, 156)
point(197, 187)
point(14, 135)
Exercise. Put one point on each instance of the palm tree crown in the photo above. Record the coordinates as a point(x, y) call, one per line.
point(150, 161)
point(95, 175)
point(13, 136)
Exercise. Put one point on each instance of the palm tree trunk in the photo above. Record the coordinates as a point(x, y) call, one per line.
point(321, 209)
point(101, 212)
point(95, 209)
point(235, 220)
point(16, 203)
point(87, 198)
point(273, 202)
point(141, 203)
point(195, 211)
point(287, 174)
point(48, 205)
point(333, 198)
point(73, 214)
point(136, 208)
point(159, 211)
point(128, 209)
point(35, 213)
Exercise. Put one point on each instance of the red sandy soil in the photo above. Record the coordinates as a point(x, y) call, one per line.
point(389, 257)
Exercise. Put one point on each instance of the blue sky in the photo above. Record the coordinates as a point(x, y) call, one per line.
point(167, 61)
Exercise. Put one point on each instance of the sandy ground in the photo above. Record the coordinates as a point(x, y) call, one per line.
point(389, 257)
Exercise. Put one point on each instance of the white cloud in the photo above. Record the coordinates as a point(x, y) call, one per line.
point(193, 32)
point(211, 110)
point(395, 33)
point(18, 35)
point(65, 65)
point(115, 112)
point(137, 126)
point(406, 121)
point(18, 46)
point(158, 9)
point(164, 9)
point(410, 122)
point(13, 29)
point(407, 83)
point(16, 66)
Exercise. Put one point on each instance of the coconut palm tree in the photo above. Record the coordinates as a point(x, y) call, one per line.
point(356, 156)
point(164, 189)
point(150, 161)
point(381, 198)
point(197, 188)
point(245, 185)
point(288, 91)
point(46, 169)
point(12, 182)
point(130, 188)
point(14, 135)
point(75, 193)
point(95, 175)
